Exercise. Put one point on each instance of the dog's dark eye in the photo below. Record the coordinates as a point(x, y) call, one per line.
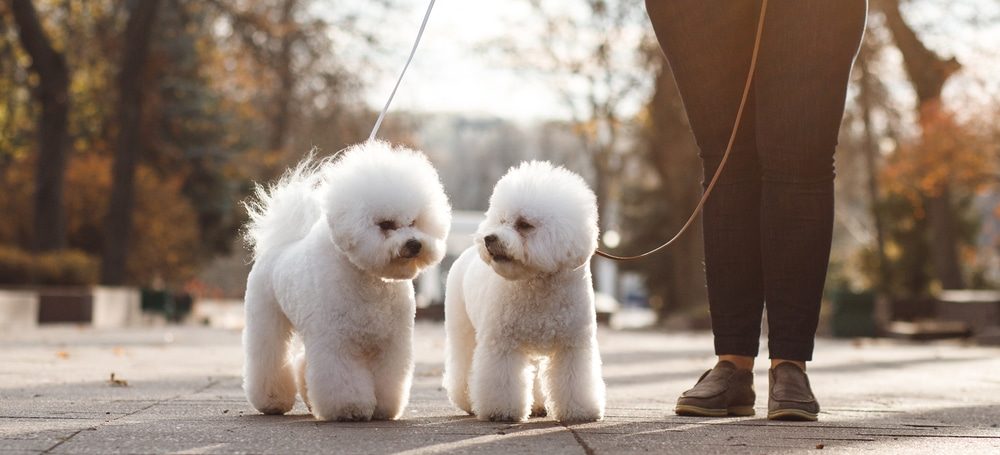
point(523, 225)
point(387, 225)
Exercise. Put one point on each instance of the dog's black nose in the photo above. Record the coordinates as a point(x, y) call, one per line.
point(412, 248)
point(490, 239)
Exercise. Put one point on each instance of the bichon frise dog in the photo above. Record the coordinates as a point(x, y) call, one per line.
point(519, 307)
point(335, 244)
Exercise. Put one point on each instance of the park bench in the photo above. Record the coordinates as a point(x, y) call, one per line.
point(979, 309)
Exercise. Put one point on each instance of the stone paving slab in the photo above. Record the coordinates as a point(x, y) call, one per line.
point(183, 396)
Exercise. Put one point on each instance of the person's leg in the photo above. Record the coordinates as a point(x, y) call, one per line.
point(807, 51)
point(708, 44)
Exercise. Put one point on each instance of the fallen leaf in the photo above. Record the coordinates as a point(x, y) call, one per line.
point(117, 382)
point(62, 354)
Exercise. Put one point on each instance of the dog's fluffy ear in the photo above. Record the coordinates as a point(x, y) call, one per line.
point(343, 236)
point(572, 241)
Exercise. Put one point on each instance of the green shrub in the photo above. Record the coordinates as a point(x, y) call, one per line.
point(59, 268)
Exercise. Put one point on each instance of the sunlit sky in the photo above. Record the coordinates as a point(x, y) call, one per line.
point(451, 73)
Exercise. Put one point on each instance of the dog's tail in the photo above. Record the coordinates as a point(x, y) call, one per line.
point(284, 212)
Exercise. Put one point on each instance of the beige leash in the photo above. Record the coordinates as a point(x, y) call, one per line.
point(725, 156)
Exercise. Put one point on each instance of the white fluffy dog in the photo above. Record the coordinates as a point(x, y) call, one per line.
point(335, 244)
point(519, 308)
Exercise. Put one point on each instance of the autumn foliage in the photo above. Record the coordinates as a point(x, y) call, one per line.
point(947, 152)
point(227, 89)
point(165, 232)
point(949, 160)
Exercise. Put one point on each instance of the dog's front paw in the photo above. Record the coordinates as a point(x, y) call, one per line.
point(502, 415)
point(386, 414)
point(351, 412)
point(539, 411)
point(503, 418)
point(461, 402)
point(579, 415)
point(274, 409)
point(271, 400)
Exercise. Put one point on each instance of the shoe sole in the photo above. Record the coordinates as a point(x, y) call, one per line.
point(797, 415)
point(696, 411)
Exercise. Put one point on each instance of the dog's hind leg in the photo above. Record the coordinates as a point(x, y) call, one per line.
point(300, 378)
point(460, 341)
point(538, 404)
point(393, 374)
point(573, 381)
point(268, 379)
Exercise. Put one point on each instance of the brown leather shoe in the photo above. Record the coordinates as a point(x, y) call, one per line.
point(722, 391)
point(790, 396)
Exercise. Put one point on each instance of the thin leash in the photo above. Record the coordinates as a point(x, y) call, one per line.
point(416, 42)
point(715, 178)
point(725, 156)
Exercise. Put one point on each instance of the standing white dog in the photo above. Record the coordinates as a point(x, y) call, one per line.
point(519, 308)
point(335, 244)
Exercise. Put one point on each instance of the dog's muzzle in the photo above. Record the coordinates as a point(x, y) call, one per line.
point(496, 251)
point(410, 249)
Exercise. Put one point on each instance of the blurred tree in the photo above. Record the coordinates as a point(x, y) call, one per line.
point(948, 154)
point(117, 227)
point(593, 53)
point(53, 79)
point(205, 96)
point(298, 75)
point(164, 232)
point(866, 101)
point(282, 88)
point(895, 157)
point(16, 127)
point(270, 31)
point(662, 192)
point(928, 73)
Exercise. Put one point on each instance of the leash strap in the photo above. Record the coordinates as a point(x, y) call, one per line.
point(725, 156)
point(420, 33)
point(715, 178)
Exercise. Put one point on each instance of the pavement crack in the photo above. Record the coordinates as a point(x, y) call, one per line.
point(579, 440)
point(903, 435)
point(63, 441)
point(210, 384)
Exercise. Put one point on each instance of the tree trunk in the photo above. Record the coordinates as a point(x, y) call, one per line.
point(281, 120)
point(118, 225)
point(928, 73)
point(53, 139)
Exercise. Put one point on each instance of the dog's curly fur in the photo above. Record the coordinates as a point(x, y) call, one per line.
point(335, 243)
point(519, 308)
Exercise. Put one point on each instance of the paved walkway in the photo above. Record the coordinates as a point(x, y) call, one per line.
point(183, 396)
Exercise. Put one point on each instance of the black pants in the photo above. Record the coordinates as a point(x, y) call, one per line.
point(769, 221)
